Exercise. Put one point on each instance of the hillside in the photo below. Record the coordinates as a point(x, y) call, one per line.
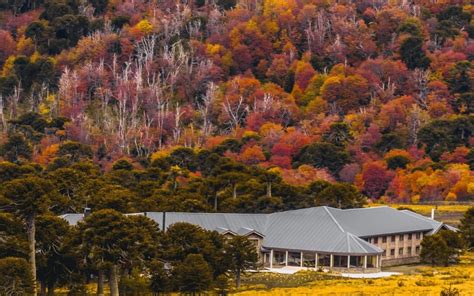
point(110, 107)
point(377, 94)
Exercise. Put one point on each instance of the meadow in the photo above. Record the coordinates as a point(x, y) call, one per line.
point(415, 280)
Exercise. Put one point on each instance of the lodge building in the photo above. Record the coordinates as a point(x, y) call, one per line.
point(351, 240)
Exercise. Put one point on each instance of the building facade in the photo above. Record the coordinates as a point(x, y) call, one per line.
point(352, 240)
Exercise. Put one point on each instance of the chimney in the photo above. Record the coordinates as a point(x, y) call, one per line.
point(87, 212)
point(432, 213)
point(163, 226)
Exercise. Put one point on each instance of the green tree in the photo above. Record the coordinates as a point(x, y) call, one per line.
point(340, 195)
point(16, 278)
point(122, 164)
point(435, 250)
point(243, 256)
point(413, 54)
point(72, 186)
point(10, 171)
point(322, 155)
point(28, 197)
point(184, 158)
point(397, 162)
point(444, 135)
point(467, 227)
point(75, 151)
point(51, 231)
point(13, 242)
point(338, 134)
point(16, 149)
point(193, 275)
point(160, 279)
point(108, 238)
point(233, 179)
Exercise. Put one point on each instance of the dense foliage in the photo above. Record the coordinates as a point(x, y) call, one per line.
point(227, 105)
point(374, 93)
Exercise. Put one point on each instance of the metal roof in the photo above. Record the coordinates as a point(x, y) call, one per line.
point(317, 229)
point(365, 222)
point(72, 219)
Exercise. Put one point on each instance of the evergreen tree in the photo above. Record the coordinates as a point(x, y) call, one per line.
point(243, 256)
point(413, 54)
point(28, 197)
point(467, 227)
point(16, 278)
point(193, 275)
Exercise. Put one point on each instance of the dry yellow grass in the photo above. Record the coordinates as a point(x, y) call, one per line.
point(423, 280)
point(447, 213)
point(425, 209)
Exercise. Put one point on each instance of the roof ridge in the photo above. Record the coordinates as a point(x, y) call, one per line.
point(334, 219)
point(357, 241)
point(348, 242)
point(367, 208)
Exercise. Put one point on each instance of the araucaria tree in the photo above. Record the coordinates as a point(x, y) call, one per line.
point(28, 197)
point(242, 256)
point(113, 240)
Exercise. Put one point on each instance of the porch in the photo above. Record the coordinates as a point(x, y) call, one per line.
point(274, 259)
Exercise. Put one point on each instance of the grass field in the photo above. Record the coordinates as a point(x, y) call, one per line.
point(447, 213)
point(416, 280)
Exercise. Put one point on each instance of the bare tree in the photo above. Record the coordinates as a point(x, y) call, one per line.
point(2, 116)
point(235, 112)
point(421, 79)
point(204, 109)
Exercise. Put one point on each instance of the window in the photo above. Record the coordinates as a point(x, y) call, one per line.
point(409, 236)
point(409, 251)
point(392, 252)
point(384, 253)
point(400, 251)
point(384, 239)
point(417, 235)
point(376, 240)
point(400, 238)
point(393, 238)
point(417, 249)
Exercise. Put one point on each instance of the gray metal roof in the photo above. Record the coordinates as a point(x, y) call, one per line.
point(317, 229)
point(365, 222)
point(436, 225)
point(312, 229)
point(72, 219)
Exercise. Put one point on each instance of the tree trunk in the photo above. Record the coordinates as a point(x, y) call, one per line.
point(269, 189)
point(234, 191)
point(42, 289)
point(51, 289)
point(100, 283)
point(237, 279)
point(31, 232)
point(113, 281)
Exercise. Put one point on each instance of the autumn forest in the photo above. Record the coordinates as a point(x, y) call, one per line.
point(232, 106)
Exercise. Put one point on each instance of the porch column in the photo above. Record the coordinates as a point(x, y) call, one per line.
point(377, 261)
point(331, 261)
point(316, 260)
point(348, 261)
point(271, 258)
point(365, 261)
point(286, 258)
point(301, 259)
